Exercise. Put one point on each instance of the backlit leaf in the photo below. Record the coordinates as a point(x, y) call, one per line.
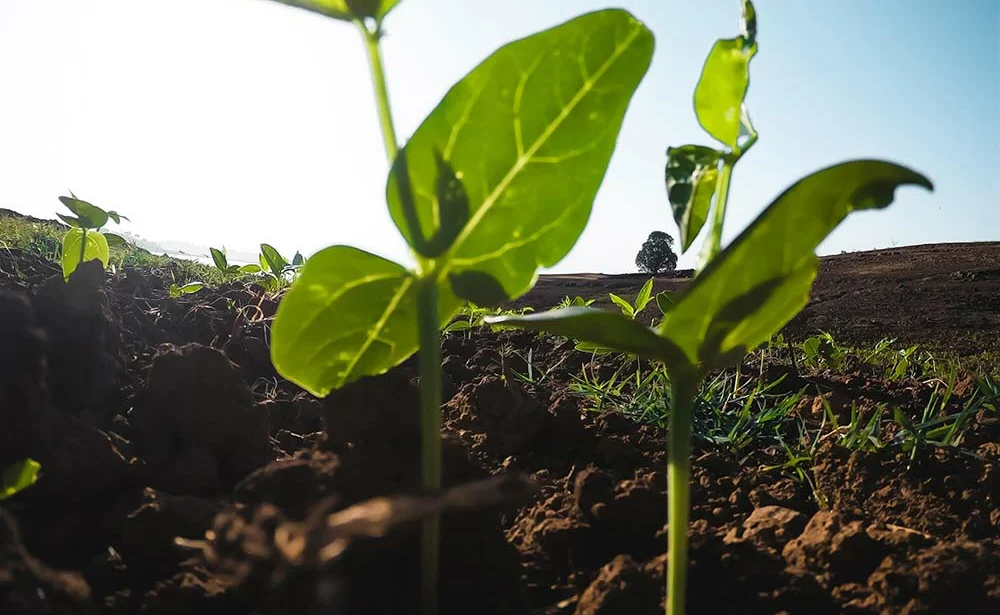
point(18, 476)
point(626, 307)
point(89, 216)
point(762, 279)
point(529, 133)
point(115, 239)
point(350, 314)
point(95, 248)
point(718, 97)
point(692, 172)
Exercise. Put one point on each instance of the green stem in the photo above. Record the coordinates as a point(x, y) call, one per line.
point(678, 492)
point(428, 331)
point(430, 430)
point(381, 89)
point(714, 243)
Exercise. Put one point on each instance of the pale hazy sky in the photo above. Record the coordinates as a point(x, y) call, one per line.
point(240, 121)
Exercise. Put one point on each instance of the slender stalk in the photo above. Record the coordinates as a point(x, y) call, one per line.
point(381, 90)
point(430, 431)
point(678, 492)
point(428, 327)
point(713, 245)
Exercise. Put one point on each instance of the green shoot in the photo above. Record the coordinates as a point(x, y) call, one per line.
point(84, 241)
point(743, 294)
point(176, 291)
point(483, 202)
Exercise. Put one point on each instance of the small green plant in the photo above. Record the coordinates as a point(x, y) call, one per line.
point(741, 295)
point(85, 241)
point(18, 477)
point(822, 351)
point(497, 182)
point(577, 301)
point(632, 310)
point(176, 291)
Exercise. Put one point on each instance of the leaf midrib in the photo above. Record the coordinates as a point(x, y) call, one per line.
point(526, 157)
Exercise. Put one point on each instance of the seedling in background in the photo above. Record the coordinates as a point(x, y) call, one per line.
point(632, 310)
point(498, 181)
point(190, 288)
point(743, 294)
point(18, 477)
point(84, 241)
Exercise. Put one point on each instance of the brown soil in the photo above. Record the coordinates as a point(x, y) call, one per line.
point(182, 475)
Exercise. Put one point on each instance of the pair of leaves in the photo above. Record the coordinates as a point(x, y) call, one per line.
point(346, 10)
point(80, 245)
point(18, 477)
point(753, 287)
point(631, 310)
point(516, 152)
point(692, 171)
point(87, 215)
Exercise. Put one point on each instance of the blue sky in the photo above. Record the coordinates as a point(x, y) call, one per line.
point(239, 121)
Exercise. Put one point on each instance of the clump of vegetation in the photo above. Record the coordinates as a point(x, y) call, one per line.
point(85, 241)
point(730, 307)
point(657, 254)
point(498, 181)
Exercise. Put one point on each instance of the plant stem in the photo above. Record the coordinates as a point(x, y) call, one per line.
point(381, 89)
point(428, 331)
point(714, 243)
point(430, 430)
point(679, 491)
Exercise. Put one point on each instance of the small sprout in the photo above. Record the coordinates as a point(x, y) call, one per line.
point(187, 289)
point(84, 241)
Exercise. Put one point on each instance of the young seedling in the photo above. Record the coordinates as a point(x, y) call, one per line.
point(743, 294)
point(632, 310)
point(84, 241)
point(18, 477)
point(190, 288)
point(498, 181)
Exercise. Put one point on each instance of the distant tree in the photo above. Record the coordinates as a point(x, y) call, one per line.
point(657, 254)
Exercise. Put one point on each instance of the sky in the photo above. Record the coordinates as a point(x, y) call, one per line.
point(235, 122)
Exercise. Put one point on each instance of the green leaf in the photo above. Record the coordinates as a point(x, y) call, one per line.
point(298, 260)
point(626, 307)
point(346, 10)
point(89, 216)
point(219, 258)
point(598, 327)
point(529, 133)
point(718, 97)
point(478, 287)
point(115, 239)
point(251, 268)
point(96, 248)
point(644, 297)
point(117, 217)
point(451, 203)
point(665, 301)
point(350, 314)
point(71, 220)
point(18, 477)
point(692, 173)
point(762, 279)
point(275, 261)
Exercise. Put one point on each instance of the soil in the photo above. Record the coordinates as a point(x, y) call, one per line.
point(181, 474)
